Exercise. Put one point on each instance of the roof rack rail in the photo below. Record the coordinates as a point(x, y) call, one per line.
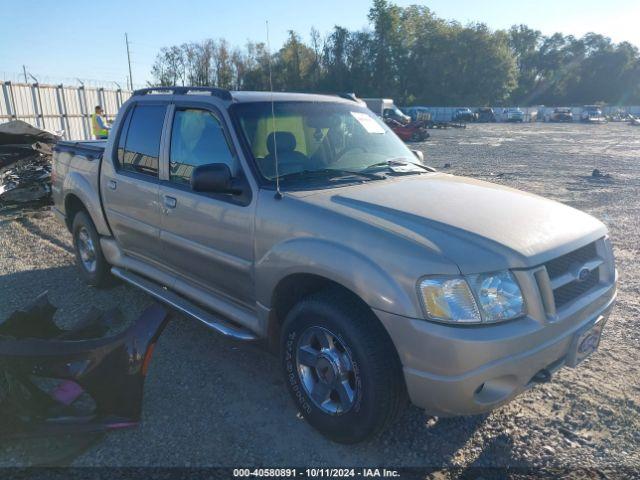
point(350, 96)
point(215, 91)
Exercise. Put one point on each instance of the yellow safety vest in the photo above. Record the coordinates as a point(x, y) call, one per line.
point(97, 131)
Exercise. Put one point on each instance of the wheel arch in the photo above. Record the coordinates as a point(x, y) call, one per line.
point(295, 287)
point(301, 267)
point(72, 206)
point(337, 263)
point(81, 195)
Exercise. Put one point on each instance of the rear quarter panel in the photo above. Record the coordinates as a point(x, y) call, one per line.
point(77, 174)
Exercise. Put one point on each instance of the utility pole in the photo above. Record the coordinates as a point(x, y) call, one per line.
point(24, 70)
point(126, 39)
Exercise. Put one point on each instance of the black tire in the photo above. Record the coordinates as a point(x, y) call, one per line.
point(100, 276)
point(379, 393)
point(416, 137)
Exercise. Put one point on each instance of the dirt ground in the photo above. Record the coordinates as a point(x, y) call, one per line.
point(214, 402)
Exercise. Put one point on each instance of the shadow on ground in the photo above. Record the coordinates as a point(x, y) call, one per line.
point(212, 401)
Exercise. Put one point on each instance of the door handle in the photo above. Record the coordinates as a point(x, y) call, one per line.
point(170, 202)
point(112, 184)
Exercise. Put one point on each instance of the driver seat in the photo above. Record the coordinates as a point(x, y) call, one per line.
point(289, 159)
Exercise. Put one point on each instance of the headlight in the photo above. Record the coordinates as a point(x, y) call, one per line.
point(499, 296)
point(491, 297)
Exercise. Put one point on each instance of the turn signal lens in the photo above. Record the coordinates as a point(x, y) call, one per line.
point(449, 299)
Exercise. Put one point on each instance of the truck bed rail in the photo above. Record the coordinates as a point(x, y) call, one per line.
point(92, 149)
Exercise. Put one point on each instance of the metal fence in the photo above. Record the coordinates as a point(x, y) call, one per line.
point(58, 107)
point(69, 108)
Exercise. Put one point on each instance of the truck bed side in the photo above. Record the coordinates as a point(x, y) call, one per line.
point(76, 181)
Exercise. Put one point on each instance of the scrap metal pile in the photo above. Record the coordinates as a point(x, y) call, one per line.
point(55, 381)
point(25, 163)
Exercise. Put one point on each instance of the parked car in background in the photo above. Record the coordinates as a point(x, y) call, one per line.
point(401, 124)
point(618, 115)
point(485, 115)
point(513, 115)
point(408, 132)
point(561, 115)
point(395, 114)
point(463, 115)
point(592, 114)
point(373, 277)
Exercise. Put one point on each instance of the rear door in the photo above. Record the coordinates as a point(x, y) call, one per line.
point(130, 183)
point(207, 238)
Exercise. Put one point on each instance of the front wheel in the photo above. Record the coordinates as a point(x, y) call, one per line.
point(341, 367)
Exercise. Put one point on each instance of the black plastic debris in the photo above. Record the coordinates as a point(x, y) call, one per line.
point(25, 163)
point(598, 174)
point(57, 381)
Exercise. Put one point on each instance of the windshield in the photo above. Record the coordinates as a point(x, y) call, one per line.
point(317, 137)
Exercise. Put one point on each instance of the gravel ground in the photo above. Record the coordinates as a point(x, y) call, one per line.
point(214, 402)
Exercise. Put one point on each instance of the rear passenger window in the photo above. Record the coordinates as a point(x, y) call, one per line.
point(197, 138)
point(139, 146)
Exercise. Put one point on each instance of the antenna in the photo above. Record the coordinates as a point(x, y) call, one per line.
point(278, 195)
point(126, 40)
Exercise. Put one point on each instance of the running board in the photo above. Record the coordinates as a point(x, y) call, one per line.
point(183, 305)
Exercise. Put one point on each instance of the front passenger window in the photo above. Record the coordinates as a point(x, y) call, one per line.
point(197, 138)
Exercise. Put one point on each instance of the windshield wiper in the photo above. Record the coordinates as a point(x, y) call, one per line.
point(400, 162)
point(330, 173)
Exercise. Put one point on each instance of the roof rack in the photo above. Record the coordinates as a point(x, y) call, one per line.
point(351, 96)
point(217, 92)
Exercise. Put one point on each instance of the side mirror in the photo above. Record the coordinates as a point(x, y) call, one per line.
point(212, 178)
point(419, 155)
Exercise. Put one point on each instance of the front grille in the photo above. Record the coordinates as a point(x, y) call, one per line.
point(560, 265)
point(572, 290)
point(557, 267)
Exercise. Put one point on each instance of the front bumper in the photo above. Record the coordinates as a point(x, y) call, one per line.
point(468, 370)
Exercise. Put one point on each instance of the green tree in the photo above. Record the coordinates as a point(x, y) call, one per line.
point(387, 45)
point(412, 55)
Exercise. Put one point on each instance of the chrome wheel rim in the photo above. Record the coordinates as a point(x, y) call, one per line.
point(87, 250)
point(326, 371)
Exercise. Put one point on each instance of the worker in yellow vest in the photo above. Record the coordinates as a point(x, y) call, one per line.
point(99, 125)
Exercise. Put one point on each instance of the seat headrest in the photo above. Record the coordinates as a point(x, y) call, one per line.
point(285, 141)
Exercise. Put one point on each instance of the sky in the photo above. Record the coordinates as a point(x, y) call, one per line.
point(59, 41)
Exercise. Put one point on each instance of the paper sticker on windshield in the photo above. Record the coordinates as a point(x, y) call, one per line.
point(369, 124)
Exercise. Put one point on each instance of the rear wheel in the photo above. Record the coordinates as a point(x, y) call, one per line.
point(91, 262)
point(341, 367)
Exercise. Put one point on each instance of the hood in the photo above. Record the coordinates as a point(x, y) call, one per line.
point(478, 225)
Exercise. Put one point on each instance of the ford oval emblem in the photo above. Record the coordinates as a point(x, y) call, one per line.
point(583, 274)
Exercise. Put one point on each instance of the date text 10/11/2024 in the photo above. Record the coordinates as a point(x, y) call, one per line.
point(317, 473)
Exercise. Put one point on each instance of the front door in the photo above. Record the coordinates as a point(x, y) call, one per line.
point(130, 182)
point(207, 238)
